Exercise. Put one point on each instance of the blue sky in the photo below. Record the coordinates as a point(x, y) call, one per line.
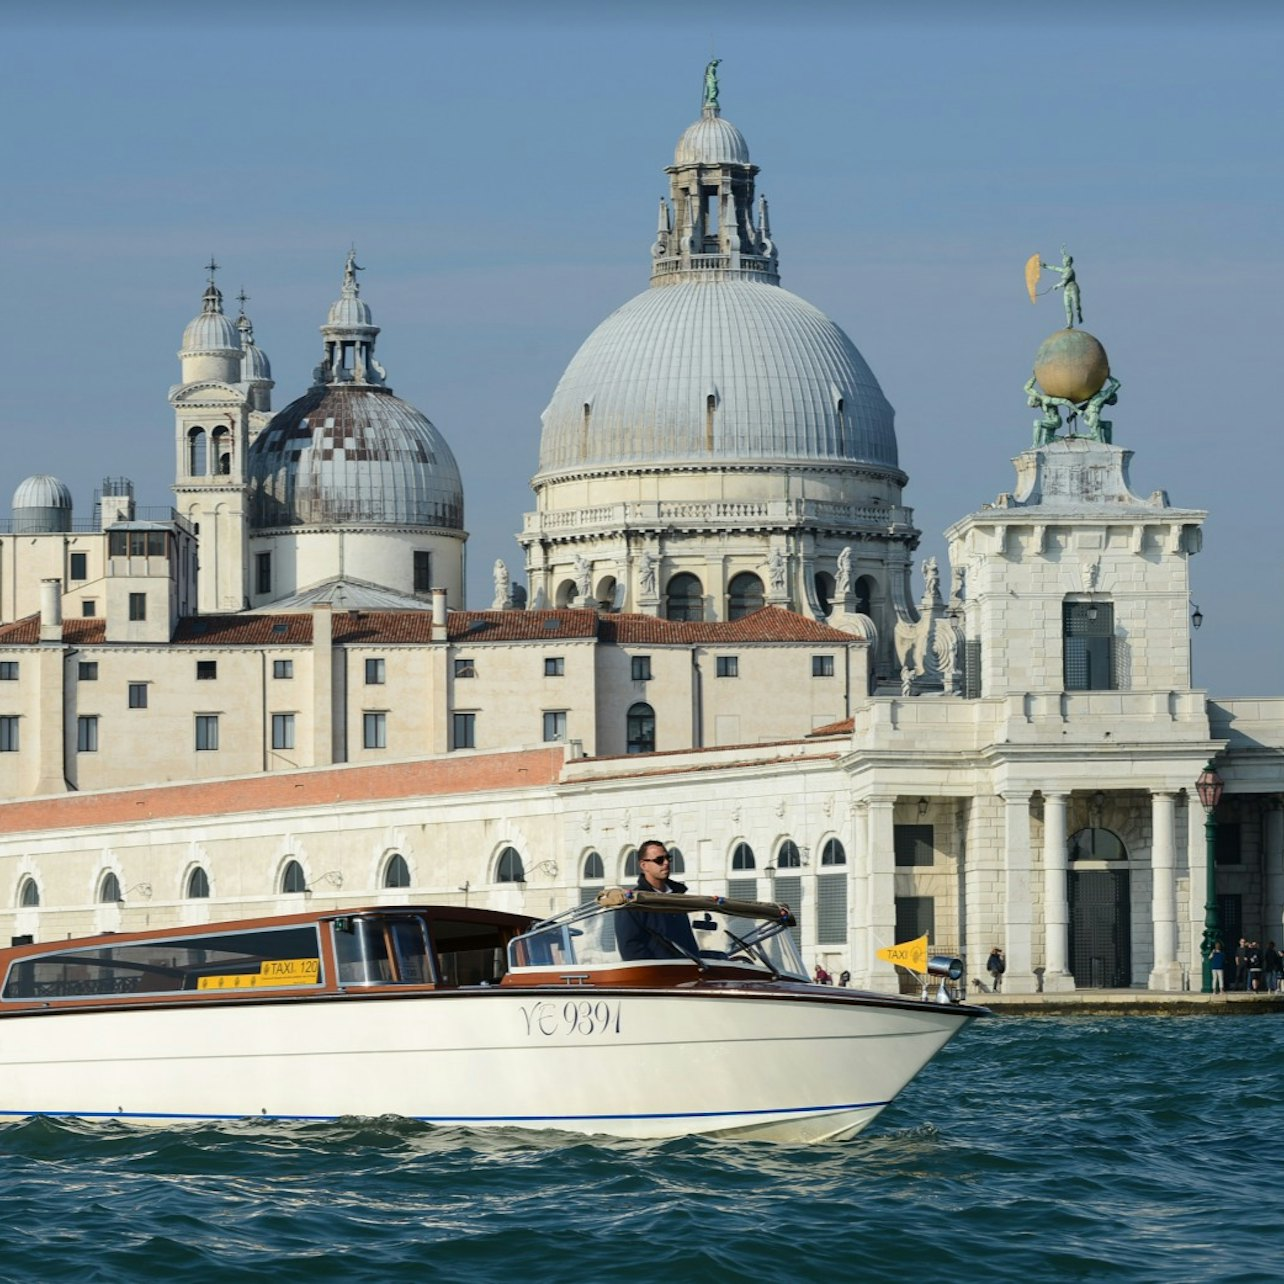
point(498, 167)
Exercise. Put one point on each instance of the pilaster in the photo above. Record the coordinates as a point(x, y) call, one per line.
point(1056, 906)
point(1166, 972)
point(1019, 978)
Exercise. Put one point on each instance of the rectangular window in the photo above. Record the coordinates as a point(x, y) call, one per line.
point(914, 845)
point(283, 731)
point(831, 909)
point(138, 695)
point(87, 734)
point(463, 731)
point(554, 666)
point(87, 670)
point(465, 668)
point(375, 673)
point(727, 666)
point(8, 670)
point(1226, 845)
point(641, 668)
point(206, 670)
point(423, 571)
point(822, 666)
point(283, 668)
point(1088, 637)
point(555, 724)
point(374, 730)
point(9, 734)
point(206, 731)
point(138, 606)
point(136, 543)
point(78, 566)
point(88, 608)
point(262, 573)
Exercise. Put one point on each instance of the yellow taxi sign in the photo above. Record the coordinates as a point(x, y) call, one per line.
point(271, 972)
point(909, 954)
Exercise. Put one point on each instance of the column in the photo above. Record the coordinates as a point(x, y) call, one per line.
point(1018, 902)
point(1196, 860)
point(1056, 905)
point(858, 896)
point(1165, 974)
point(1273, 841)
point(881, 900)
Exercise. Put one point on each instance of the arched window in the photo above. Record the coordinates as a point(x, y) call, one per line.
point(685, 598)
point(676, 864)
point(594, 869)
point(198, 885)
point(1097, 844)
point(292, 879)
point(197, 452)
point(789, 857)
point(221, 445)
point(824, 583)
point(631, 864)
point(641, 729)
point(396, 873)
point(109, 889)
point(565, 595)
point(29, 894)
point(832, 853)
point(510, 868)
point(744, 594)
point(864, 594)
point(742, 857)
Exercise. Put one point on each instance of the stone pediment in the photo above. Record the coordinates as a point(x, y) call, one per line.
point(208, 393)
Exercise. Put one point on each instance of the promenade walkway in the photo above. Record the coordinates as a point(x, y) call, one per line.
point(1129, 1002)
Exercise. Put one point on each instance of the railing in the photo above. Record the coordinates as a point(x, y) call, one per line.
point(713, 512)
point(713, 262)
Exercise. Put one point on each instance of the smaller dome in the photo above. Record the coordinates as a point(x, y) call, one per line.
point(211, 331)
point(350, 310)
point(42, 491)
point(254, 364)
point(711, 141)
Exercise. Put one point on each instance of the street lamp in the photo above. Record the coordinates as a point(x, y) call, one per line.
point(1209, 787)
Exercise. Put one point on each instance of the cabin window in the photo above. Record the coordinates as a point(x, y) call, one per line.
point(29, 894)
point(293, 881)
point(381, 950)
point(198, 885)
point(510, 868)
point(396, 873)
point(468, 952)
point(109, 889)
point(249, 960)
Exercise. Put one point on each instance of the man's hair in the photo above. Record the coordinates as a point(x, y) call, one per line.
point(650, 842)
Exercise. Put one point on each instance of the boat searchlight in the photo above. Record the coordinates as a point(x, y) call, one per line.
point(948, 969)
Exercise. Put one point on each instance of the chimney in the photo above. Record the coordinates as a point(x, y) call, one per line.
point(439, 615)
point(51, 610)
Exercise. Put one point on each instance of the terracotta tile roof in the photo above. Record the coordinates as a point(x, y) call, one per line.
point(521, 626)
point(80, 632)
point(243, 630)
point(843, 728)
point(281, 791)
point(769, 624)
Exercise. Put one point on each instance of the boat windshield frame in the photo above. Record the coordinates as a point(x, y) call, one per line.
point(583, 937)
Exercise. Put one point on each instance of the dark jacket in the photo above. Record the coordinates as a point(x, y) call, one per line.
point(643, 934)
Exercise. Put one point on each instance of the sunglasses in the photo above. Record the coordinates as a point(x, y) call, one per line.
point(657, 860)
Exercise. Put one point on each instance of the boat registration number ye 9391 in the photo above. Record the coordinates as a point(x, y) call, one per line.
point(588, 1018)
point(271, 972)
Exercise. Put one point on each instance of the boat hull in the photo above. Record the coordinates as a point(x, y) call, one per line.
point(801, 1065)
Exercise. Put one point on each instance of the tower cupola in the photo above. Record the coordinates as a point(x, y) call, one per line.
point(256, 370)
point(349, 334)
point(211, 348)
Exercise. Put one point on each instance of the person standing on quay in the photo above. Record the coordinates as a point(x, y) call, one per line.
point(996, 967)
point(1217, 967)
point(1271, 961)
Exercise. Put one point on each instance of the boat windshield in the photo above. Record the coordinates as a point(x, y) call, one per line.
point(738, 931)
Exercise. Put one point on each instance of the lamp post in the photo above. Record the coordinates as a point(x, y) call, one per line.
point(1209, 787)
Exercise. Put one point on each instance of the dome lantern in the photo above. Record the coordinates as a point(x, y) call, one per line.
point(349, 334)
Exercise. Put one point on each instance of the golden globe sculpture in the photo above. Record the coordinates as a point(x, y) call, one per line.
point(1071, 364)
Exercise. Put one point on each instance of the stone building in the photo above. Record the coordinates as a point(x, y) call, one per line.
point(275, 692)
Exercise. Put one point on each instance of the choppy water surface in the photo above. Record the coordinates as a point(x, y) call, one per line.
point(1140, 1148)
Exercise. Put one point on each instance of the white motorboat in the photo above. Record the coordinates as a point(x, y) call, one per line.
point(462, 1017)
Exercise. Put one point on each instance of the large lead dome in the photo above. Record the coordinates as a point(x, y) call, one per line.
point(715, 363)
